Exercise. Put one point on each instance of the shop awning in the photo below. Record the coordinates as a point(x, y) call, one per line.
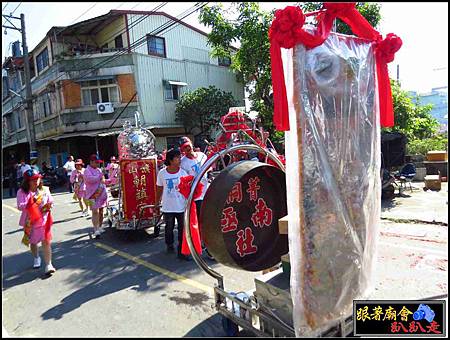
point(95, 78)
point(91, 133)
point(178, 83)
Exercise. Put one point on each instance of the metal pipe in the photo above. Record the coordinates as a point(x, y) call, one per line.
point(187, 214)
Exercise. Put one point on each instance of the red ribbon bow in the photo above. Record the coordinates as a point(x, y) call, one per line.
point(286, 31)
point(185, 188)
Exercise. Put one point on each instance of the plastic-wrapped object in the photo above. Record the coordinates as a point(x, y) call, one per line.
point(334, 184)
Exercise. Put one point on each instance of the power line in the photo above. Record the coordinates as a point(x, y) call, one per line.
point(123, 3)
point(143, 39)
point(120, 53)
point(16, 8)
point(121, 32)
point(140, 41)
point(84, 13)
point(5, 6)
point(136, 5)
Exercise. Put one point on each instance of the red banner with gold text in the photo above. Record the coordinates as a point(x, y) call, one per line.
point(138, 181)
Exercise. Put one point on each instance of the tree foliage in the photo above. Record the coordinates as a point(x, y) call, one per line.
point(251, 62)
point(411, 118)
point(201, 109)
point(422, 146)
point(369, 10)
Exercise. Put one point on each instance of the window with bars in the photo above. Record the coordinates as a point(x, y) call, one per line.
point(20, 119)
point(99, 91)
point(118, 42)
point(42, 60)
point(43, 107)
point(171, 92)
point(156, 46)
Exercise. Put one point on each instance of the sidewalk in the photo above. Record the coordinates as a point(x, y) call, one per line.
point(418, 205)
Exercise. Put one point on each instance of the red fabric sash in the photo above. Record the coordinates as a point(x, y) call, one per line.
point(185, 188)
point(34, 213)
point(286, 31)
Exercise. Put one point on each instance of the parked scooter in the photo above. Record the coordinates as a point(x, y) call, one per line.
point(49, 177)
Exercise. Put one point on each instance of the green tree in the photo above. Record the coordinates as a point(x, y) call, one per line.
point(251, 62)
point(369, 10)
point(201, 109)
point(411, 118)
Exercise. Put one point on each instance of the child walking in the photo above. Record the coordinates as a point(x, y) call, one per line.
point(95, 193)
point(76, 179)
point(35, 202)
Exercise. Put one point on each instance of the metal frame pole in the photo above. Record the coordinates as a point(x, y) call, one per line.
point(187, 214)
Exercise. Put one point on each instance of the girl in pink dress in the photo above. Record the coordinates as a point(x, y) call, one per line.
point(95, 193)
point(113, 172)
point(35, 202)
point(76, 179)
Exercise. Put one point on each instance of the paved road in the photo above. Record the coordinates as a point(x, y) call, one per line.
point(124, 287)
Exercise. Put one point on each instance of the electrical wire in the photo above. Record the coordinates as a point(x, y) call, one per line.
point(16, 8)
point(95, 4)
point(135, 5)
point(141, 40)
point(5, 6)
point(115, 34)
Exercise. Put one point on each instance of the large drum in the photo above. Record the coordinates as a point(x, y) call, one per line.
point(240, 213)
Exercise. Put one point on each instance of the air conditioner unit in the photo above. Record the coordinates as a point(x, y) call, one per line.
point(105, 108)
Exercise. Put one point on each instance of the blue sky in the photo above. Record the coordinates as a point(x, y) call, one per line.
point(422, 55)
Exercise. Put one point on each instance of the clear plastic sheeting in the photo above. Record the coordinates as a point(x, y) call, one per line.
point(333, 166)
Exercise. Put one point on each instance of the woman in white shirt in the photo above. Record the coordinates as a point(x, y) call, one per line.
point(173, 202)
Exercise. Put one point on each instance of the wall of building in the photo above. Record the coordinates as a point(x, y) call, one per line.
point(152, 71)
point(108, 34)
point(182, 43)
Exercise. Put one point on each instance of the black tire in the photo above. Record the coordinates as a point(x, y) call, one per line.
point(156, 232)
point(230, 328)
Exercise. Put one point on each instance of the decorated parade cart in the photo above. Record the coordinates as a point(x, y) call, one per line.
point(238, 128)
point(132, 202)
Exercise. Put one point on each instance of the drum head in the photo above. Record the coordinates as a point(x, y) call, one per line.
point(240, 213)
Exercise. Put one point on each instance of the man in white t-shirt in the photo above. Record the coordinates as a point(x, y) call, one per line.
point(191, 162)
point(68, 168)
point(173, 202)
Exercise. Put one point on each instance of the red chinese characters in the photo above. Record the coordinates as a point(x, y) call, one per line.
point(263, 215)
point(244, 243)
point(253, 188)
point(236, 194)
point(414, 326)
point(229, 221)
point(433, 328)
point(396, 327)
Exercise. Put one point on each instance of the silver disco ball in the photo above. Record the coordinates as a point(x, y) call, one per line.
point(136, 143)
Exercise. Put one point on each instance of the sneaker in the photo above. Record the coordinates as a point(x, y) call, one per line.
point(97, 233)
point(85, 213)
point(37, 262)
point(49, 269)
point(102, 230)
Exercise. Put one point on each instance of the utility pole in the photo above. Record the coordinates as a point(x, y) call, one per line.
point(29, 117)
